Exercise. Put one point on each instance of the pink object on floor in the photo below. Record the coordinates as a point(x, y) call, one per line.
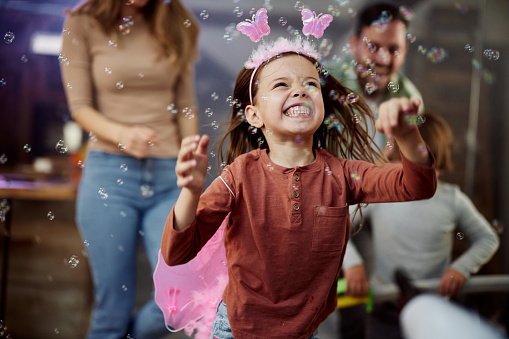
point(189, 294)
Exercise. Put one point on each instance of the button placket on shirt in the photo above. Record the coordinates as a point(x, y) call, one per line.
point(296, 191)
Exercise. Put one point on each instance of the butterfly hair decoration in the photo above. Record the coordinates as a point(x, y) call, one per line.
point(313, 24)
point(257, 28)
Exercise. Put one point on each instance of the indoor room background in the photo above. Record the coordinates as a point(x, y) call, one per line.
point(458, 52)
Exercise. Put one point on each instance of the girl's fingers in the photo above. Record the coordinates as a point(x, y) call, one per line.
point(186, 152)
point(203, 145)
point(184, 181)
point(185, 166)
point(187, 141)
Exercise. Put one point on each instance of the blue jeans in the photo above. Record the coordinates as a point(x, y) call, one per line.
point(221, 326)
point(120, 200)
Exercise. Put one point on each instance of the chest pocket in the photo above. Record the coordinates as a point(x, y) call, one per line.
point(329, 229)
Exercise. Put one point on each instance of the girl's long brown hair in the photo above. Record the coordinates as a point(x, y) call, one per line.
point(347, 137)
point(166, 21)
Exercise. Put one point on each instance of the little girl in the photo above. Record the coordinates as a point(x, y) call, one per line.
point(287, 192)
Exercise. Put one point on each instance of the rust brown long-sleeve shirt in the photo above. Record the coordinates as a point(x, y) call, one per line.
point(287, 234)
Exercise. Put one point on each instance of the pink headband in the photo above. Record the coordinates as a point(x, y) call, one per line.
point(258, 27)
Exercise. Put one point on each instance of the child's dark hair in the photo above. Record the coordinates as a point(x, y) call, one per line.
point(372, 13)
point(343, 133)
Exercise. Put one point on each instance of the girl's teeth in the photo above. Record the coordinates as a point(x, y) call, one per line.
point(297, 110)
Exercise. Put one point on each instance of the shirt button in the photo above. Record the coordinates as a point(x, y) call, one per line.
point(296, 177)
point(296, 194)
point(296, 207)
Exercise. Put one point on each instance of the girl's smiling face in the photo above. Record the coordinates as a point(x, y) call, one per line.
point(288, 101)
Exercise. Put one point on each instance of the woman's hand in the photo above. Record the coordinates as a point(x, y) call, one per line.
point(192, 162)
point(137, 140)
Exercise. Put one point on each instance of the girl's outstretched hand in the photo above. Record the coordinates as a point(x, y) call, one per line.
point(397, 116)
point(192, 163)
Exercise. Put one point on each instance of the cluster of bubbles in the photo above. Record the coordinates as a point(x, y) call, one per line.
point(62, 58)
point(188, 112)
point(460, 235)
point(406, 13)
point(491, 54)
point(50, 216)
point(73, 261)
point(238, 12)
point(147, 191)
point(383, 20)
point(171, 108)
point(333, 10)
point(267, 5)
point(102, 193)
point(370, 87)
point(411, 38)
point(325, 47)
point(369, 69)
point(434, 54)
point(125, 27)
point(230, 32)
point(322, 70)
point(293, 31)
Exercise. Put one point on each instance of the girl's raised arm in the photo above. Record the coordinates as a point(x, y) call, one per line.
point(191, 169)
